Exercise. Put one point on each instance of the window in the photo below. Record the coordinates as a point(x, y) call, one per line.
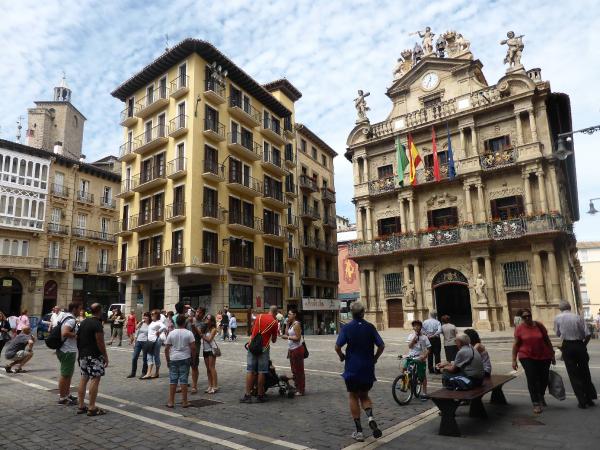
point(273, 297)
point(84, 187)
point(162, 86)
point(210, 206)
point(385, 171)
point(324, 160)
point(496, 144)
point(182, 75)
point(103, 261)
point(54, 250)
point(240, 296)
point(80, 254)
point(314, 153)
point(507, 207)
point(273, 259)
point(107, 195)
point(235, 98)
point(56, 215)
point(82, 221)
point(392, 283)
point(302, 145)
point(176, 246)
point(156, 250)
point(241, 253)
point(24, 248)
point(516, 275)
point(389, 225)
point(442, 158)
point(211, 117)
point(209, 247)
point(432, 102)
point(444, 217)
point(271, 222)
point(123, 257)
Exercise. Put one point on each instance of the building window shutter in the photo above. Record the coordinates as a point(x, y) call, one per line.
point(430, 219)
point(398, 227)
point(520, 205)
point(495, 212)
point(379, 229)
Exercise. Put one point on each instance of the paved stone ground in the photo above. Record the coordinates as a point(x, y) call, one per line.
point(137, 417)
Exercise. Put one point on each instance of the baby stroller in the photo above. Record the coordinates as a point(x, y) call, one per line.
point(282, 382)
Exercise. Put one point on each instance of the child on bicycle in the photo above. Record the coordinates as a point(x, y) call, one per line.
point(418, 345)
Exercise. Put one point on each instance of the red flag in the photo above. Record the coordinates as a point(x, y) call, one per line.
point(436, 162)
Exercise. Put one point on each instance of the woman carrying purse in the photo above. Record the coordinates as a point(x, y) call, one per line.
point(293, 335)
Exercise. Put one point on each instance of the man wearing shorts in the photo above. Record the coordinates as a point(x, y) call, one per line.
point(93, 359)
point(267, 325)
point(180, 351)
point(20, 350)
point(419, 346)
point(360, 337)
point(67, 353)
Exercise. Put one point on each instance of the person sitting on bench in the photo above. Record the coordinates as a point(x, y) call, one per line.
point(466, 371)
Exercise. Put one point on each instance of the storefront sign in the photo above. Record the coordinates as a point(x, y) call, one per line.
point(320, 304)
point(7, 283)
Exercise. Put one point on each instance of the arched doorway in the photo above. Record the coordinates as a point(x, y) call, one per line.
point(395, 313)
point(452, 297)
point(11, 293)
point(515, 302)
point(50, 296)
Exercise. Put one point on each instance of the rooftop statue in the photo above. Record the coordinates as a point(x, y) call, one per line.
point(427, 43)
point(361, 106)
point(514, 51)
point(403, 64)
point(417, 54)
point(456, 44)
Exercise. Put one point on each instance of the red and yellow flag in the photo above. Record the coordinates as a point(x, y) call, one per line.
point(414, 160)
point(436, 162)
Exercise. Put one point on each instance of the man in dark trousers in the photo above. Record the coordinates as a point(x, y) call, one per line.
point(432, 328)
point(575, 337)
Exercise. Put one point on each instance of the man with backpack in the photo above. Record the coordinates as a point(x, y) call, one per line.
point(264, 332)
point(67, 353)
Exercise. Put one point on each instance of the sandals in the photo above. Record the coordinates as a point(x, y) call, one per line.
point(170, 406)
point(187, 405)
point(96, 412)
point(537, 409)
point(21, 371)
point(82, 410)
point(194, 391)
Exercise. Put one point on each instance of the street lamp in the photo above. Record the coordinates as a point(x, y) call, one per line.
point(593, 210)
point(564, 141)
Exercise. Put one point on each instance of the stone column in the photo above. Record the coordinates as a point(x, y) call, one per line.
point(489, 280)
point(355, 170)
point(131, 297)
point(532, 125)
point(475, 265)
point(418, 287)
point(554, 281)
point(411, 212)
point(542, 188)
point(462, 142)
point(359, 225)
point(539, 278)
point(171, 290)
point(406, 276)
point(519, 128)
point(365, 171)
point(363, 287)
point(555, 199)
point(373, 303)
point(481, 201)
point(527, 189)
point(474, 141)
point(403, 224)
point(369, 224)
point(467, 188)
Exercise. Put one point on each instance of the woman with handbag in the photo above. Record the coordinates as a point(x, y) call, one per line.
point(4, 329)
point(296, 350)
point(535, 352)
point(210, 351)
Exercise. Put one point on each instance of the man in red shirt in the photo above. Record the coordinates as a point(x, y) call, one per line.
point(266, 324)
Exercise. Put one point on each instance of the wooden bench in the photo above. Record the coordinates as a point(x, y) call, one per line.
point(447, 401)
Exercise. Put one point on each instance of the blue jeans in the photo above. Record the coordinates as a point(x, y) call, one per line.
point(153, 355)
point(179, 371)
point(140, 347)
point(258, 364)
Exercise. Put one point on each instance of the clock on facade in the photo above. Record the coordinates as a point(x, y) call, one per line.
point(430, 81)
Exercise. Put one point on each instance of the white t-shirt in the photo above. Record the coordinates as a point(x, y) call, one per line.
point(54, 319)
point(70, 345)
point(232, 322)
point(155, 328)
point(180, 340)
point(420, 347)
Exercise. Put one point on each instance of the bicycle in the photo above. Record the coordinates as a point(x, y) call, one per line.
point(407, 385)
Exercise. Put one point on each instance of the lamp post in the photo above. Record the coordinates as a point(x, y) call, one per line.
point(593, 210)
point(564, 140)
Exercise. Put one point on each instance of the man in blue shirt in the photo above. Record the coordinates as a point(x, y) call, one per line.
point(360, 337)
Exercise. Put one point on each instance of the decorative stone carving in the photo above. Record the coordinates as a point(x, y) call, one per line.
point(514, 51)
point(417, 54)
point(456, 44)
point(427, 42)
point(409, 293)
point(440, 46)
point(480, 289)
point(449, 276)
point(505, 192)
point(388, 212)
point(361, 106)
point(444, 199)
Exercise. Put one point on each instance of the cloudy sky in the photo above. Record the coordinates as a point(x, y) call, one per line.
point(328, 49)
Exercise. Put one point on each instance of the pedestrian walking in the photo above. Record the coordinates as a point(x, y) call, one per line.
point(477, 345)
point(198, 325)
point(19, 350)
point(359, 337)
point(93, 360)
point(154, 344)
point(449, 333)
point(4, 331)
point(22, 321)
point(432, 328)
point(131, 326)
point(224, 324)
point(118, 323)
point(67, 353)
point(233, 326)
point(534, 350)
point(141, 346)
point(293, 335)
point(180, 350)
point(209, 353)
point(257, 364)
point(575, 337)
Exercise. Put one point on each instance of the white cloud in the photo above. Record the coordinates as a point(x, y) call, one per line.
point(327, 49)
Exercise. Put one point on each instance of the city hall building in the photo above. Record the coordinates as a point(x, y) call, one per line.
point(484, 226)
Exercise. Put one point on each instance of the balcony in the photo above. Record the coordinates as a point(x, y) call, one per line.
point(152, 102)
point(213, 130)
point(175, 257)
point(271, 129)
point(105, 268)
point(498, 159)
point(327, 195)
point(273, 197)
point(177, 168)
point(274, 233)
point(293, 254)
point(307, 184)
point(150, 139)
point(92, 235)
point(178, 126)
point(214, 91)
point(329, 222)
point(310, 243)
point(244, 184)
point(244, 147)
point(85, 197)
point(108, 203)
point(180, 86)
point(289, 156)
point(244, 223)
point(126, 189)
point(33, 225)
point(430, 175)
point(59, 190)
point(213, 213)
point(308, 213)
point(57, 229)
point(209, 257)
point(241, 262)
point(523, 227)
point(147, 220)
point(291, 189)
point(213, 171)
point(175, 212)
point(55, 264)
point(383, 186)
point(148, 179)
point(292, 222)
point(20, 262)
point(80, 266)
point(244, 112)
point(271, 162)
point(149, 261)
point(128, 118)
point(123, 228)
point(124, 265)
point(126, 151)
point(274, 267)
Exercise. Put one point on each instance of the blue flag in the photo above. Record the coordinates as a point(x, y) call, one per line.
point(451, 169)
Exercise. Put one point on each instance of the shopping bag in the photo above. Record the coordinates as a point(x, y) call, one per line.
point(556, 387)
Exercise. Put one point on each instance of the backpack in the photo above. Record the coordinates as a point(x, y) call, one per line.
point(54, 340)
point(256, 346)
